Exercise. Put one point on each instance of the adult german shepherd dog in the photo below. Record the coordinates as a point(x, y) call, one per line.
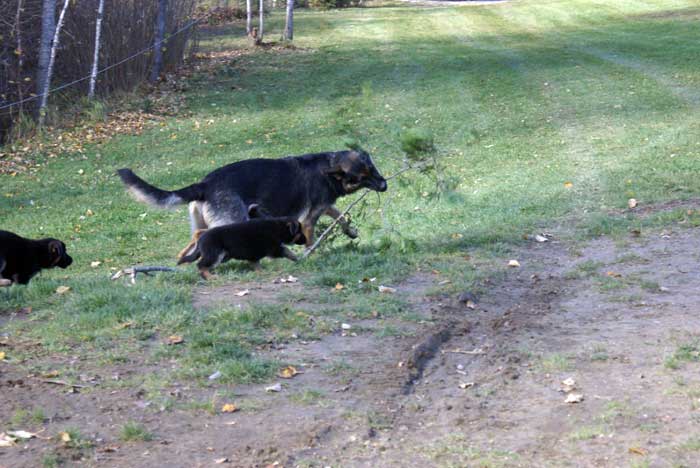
point(302, 187)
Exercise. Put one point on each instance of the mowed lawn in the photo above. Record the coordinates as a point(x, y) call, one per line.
point(545, 114)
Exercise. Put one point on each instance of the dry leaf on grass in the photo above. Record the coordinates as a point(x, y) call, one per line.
point(632, 203)
point(174, 339)
point(65, 437)
point(51, 374)
point(21, 434)
point(220, 461)
point(614, 274)
point(2, 355)
point(245, 292)
point(541, 238)
point(386, 289)
point(274, 388)
point(288, 372)
point(465, 385)
point(95, 264)
point(345, 326)
point(574, 398)
point(62, 289)
point(229, 408)
point(339, 286)
point(637, 451)
point(513, 263)
point(568, 184)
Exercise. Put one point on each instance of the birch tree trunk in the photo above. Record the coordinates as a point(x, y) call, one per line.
point(20, 51)
point(160, 36)
point(96, 57)
point(52, 59)
point(289, 23)
point(261, 26)
point(249, 17)
point(48, 25)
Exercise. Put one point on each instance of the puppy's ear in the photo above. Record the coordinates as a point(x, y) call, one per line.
point(293, 227)
point(335, 171)
point(56, 249)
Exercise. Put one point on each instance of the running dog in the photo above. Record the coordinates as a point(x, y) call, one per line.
point(251, 240)
point(21, 259)
point(302, 187)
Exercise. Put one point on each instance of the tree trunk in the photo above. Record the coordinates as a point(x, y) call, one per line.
point(20, 52)
point(160, 36)
point(48, 25)
point(52, 59)
point(96, 57)
point(249, 17)
point(289, 24)
point(261, 28)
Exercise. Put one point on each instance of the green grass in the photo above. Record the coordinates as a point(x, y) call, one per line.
point(132, 431)
point(520, 99)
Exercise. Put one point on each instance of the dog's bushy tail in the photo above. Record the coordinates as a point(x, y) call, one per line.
point(147, 193)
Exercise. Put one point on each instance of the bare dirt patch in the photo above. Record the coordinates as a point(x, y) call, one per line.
point(457, 387)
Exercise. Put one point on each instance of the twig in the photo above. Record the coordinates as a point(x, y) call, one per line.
point(325, 233)
point(61, 382)
point(146, 270)
point(461, 351)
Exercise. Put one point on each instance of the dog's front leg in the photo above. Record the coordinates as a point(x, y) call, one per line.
point(285, 252)
point(348, 230)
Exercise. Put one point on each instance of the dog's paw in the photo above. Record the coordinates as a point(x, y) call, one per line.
point(5, 282)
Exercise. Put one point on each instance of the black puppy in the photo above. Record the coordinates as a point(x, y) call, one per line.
point(21, 259)
point(251, 240)
point(303, 187)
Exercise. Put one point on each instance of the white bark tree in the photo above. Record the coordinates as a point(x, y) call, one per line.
point(158, 43)
point(48, 25)
point(289, 23)
point(96, 57)
point(249, 17)
point(261, 25)
point(52, 59)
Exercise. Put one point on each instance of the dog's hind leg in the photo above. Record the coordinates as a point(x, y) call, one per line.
point(348, 230)
point(208, 262)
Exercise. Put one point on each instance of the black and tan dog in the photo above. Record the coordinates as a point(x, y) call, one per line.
point(301, 187)
point(21, 259)
point(251, 240)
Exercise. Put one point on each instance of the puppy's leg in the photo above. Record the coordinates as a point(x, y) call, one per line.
point(256, 265)
point(286, 253)
point(209, 261)
point(189, 248)
point(348, 230)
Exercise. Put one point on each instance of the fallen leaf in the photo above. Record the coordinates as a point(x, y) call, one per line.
point(229, 408)
point(339, 286)
point(62, 289)
point(21, 434)
point(632, 203)
point(64, 436)
point(574, 398)
point(465, 385)
point(637, 451)
point(345, 326)
point(2, 355)
point(569, 382)
point(121, 326)
point(174, 339)
point(288, 372)
point(95, 264)
point(614, 274)
point(219, 461)
point(51, 374)
point(215, 375)
point(513, 263)
point(568, 184)
point(6, 440)
point(274, 388)
point(386, 289)
point(471, 305)
point(245, 292)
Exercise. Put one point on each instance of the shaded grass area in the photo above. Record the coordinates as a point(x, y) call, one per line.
point(543, 113)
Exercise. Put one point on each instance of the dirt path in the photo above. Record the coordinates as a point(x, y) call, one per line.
point(455, 386)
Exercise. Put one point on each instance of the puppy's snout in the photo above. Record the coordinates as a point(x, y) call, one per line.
point(382, 186)
point(66, 261)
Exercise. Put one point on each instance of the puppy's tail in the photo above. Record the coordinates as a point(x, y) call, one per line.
point(147, 193)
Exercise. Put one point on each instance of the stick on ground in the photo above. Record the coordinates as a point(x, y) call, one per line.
point(146, 270)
